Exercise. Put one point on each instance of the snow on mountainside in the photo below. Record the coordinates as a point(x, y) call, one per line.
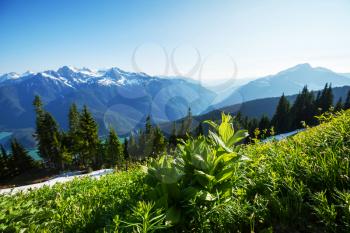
point(73, 77)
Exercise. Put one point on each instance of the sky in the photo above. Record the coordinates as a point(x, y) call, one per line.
point(207, 40)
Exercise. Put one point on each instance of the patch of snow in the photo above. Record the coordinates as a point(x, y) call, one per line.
point(106, 82)
point(57, 79)
point(121, 81)
point(282, 136)
point(65, 177)
point(9, 76)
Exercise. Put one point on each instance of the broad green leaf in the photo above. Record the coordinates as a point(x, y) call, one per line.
point(203, 174)
point(224, 175)
point(199, 162)
point(212, 124)
point(237, 137)
point(225, 129)
point(218, 141)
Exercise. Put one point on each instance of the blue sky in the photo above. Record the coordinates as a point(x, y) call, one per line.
point(261, 36)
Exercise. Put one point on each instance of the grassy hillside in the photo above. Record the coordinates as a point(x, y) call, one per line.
point(300, 184)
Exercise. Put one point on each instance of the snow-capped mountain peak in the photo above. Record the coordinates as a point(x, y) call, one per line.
point(73, 77)
point(9, 76)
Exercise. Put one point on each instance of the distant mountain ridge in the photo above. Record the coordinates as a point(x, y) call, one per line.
point(115, 97)
point(289, 82)
point(254, 108)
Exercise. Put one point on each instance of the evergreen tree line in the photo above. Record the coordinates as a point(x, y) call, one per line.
point(289, 117)
point(78, 148)
point(149, 142)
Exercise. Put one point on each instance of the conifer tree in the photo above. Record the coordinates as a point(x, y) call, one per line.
point(132, 147)
point(182, 131)
point(88, 138)
point(339, 105)
point(73, 119)
point(71, 141)
point(3, 151)
point(173, 136)
point(21, 158)
point(159, 143)
point(329, 97)
point(102, 154)
point(50, 142)
point(114, 149)
point(126, 152)
point(281, 119)
point(188, 127)
point(253, 124)
point(148, 125)
point(145, 145)
point(199, 129)
point(4, 163)
point(324, 99)
point(264, 125)
point(39, 131)
point(347, 101)
point(303, 109)
point(48, 136)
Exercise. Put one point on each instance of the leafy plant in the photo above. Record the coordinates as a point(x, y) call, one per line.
point(203, 170)
point(145, 218)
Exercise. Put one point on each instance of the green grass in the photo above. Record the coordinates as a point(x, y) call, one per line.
point(79, 206)
point(301, 184)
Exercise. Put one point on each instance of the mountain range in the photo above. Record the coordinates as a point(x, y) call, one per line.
point(124, 99)
point(289, 82)
point(115, 97)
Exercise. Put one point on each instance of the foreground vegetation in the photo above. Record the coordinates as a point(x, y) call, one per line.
point(300, 184)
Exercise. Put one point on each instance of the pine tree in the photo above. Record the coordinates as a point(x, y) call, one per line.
point(159, 143)
point(114, 149)
point(173, 136)
point(281, 119)
point(39, 131)
point(253, 124)
point(88, 139)
point(347, 101)
point(4, 163)
point(188, 127)
point(148, 125)
point(48, 136)
point(73, 118)
point(38, 105)
point(132, 146)
point(21, 158)
point(102, 157)
point(324, 99)
point(182, 131)
point(145, 145)
point(126, 152)
point(264, 125)
point(303, 109)
point(50, 142)
point(328, 98)
point(199, 129)
point(72, 140)
point(264, 122)
point(339, 105)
